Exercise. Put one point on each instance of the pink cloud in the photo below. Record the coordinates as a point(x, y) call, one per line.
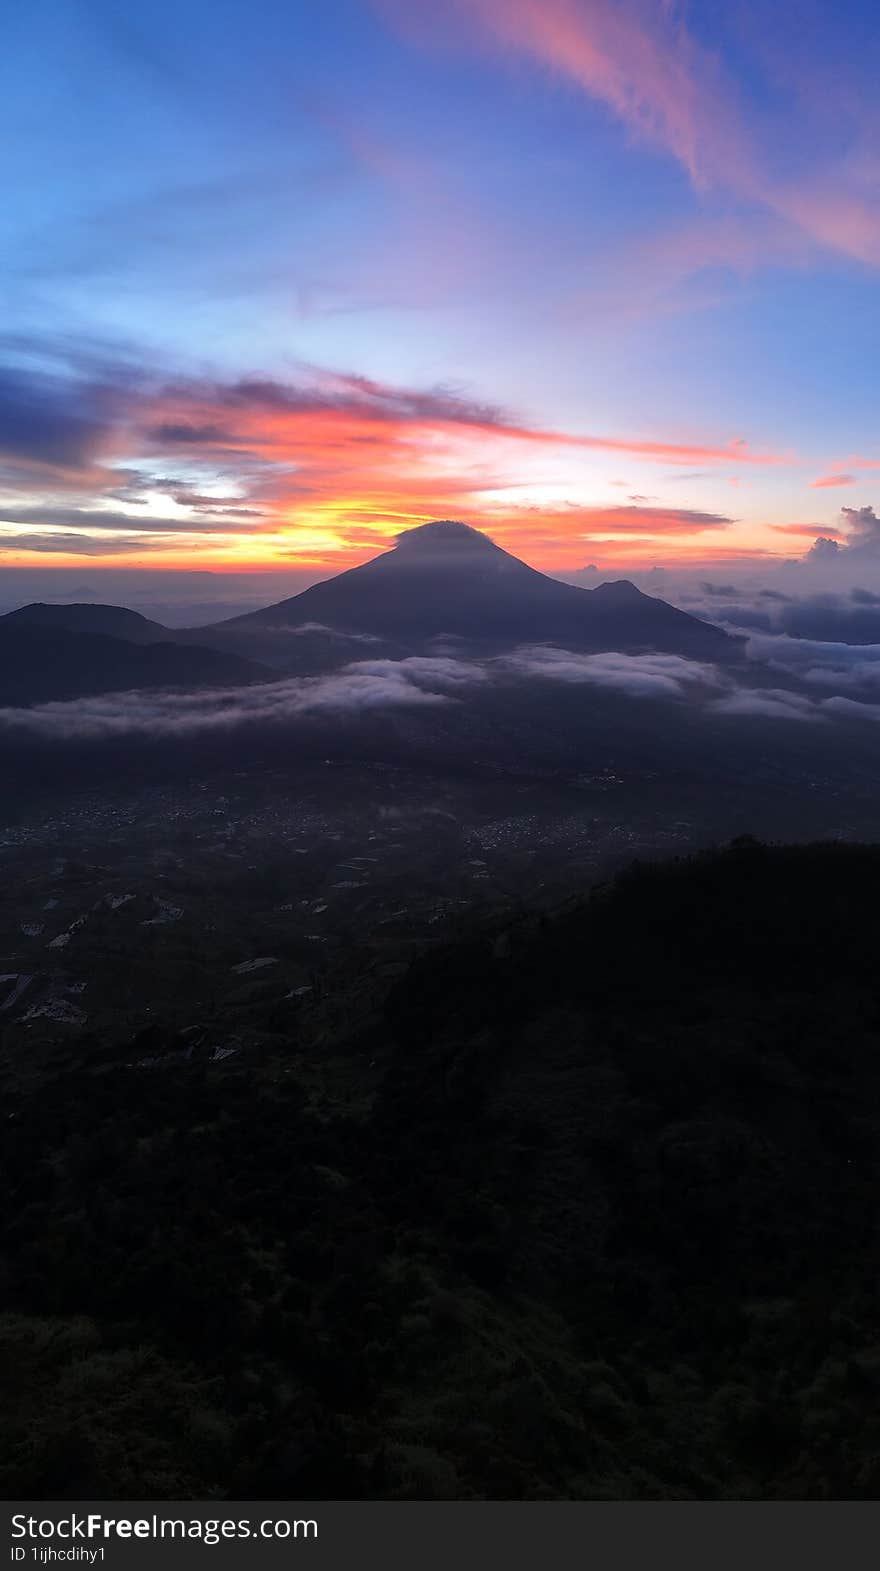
point(813, 531)
point(327, 458)
point(825, 482)
point(638, 59)
point(648, 274)
point(641, 61)
point(337, 415)
point(839, 219)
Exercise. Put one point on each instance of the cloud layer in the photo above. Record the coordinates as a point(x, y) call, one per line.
point(841, 688)
point(168, 714)
point(640, 676)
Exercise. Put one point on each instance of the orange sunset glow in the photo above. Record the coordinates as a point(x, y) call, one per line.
point(323, 473)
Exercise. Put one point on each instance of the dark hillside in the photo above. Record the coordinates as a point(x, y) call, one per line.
point(589, 1209)
point(43, 664)
point(113, 620)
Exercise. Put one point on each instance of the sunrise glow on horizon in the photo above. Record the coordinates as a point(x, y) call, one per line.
point(595, 276)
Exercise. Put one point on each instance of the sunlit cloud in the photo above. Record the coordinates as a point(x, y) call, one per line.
point(323, 469)
point(812, 531)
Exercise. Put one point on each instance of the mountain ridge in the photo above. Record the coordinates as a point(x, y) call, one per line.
point(85, 617)
point(446, 578)
point(442, 579)
point(46, 665)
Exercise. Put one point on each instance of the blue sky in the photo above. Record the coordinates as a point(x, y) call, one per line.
point(583, 251)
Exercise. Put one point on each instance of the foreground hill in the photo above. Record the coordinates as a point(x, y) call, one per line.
point(40, 664)
point(446, 578)
point(113, 620)
point(586, 1209)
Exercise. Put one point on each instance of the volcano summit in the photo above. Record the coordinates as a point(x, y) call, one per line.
point(446, 578)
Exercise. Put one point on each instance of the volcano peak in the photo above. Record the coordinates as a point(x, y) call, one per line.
point(444, 577)
point(443, 535)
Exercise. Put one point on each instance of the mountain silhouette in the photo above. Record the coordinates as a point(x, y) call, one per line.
point(447, 578)
point(114, 620)
point(46, 664)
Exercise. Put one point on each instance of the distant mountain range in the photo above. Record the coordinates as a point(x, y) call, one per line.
point(441, 580)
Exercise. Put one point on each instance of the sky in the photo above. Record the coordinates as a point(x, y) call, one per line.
point(279, 280)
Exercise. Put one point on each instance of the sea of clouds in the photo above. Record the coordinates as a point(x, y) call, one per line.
point(824, 681)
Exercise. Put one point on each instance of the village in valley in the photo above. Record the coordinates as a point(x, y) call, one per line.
point(219, 916)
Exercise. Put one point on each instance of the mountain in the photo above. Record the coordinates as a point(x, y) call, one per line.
point(113, 620)
point(447, 578)
point(41, 665)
